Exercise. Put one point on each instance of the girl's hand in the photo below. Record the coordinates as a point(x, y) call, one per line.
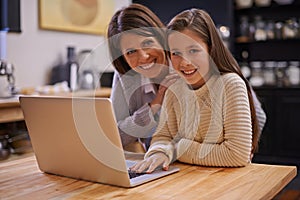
point(151, 163)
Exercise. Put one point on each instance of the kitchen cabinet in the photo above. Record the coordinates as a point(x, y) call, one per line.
point(279, 142)
point(278, 41)
point(280, 138)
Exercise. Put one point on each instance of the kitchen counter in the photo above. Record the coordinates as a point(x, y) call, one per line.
point(21, 179)
point(10, 110)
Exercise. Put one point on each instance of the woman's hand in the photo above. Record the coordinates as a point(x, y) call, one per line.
point(163, 86)
point(149, 164)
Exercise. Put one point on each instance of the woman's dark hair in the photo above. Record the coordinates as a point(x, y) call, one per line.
point(135, 18)
point(200, 22)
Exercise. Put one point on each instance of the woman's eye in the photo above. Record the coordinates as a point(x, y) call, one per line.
point(148, 43)
point(175, 53)
point(129, 52)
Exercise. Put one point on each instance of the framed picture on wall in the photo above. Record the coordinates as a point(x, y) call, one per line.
point(82, 16)
point(14, 16)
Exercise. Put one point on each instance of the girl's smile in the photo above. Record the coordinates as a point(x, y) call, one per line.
point(189, 56)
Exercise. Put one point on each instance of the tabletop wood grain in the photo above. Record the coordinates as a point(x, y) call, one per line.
point(21, 179)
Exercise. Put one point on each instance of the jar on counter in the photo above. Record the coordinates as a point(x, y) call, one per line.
point(256, 78)
point(260, 32)
point(290, 29)
point(262, 3)
point(241, 4)
point(293, 72)
point(281, 74)
point(269, 73)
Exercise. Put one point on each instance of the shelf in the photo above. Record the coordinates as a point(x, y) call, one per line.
point(290, 88)
point(271, 42)
point(276, 50)
point(274, 7)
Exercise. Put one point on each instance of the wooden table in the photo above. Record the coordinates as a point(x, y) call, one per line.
point(10, 110)
point(21, 179)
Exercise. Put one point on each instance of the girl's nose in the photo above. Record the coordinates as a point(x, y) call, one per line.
point(185, 62)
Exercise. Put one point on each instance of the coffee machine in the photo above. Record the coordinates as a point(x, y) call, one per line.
point(7, 80)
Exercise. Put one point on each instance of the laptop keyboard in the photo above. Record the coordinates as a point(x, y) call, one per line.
point(135, 174)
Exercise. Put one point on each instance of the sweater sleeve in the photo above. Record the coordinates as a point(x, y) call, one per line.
point(235, 148)
point(164, 139)
point(137, 123)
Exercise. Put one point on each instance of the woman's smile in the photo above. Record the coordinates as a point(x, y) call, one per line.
point(147, 66)
point(143, 54)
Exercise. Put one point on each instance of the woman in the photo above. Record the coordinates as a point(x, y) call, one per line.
point(137, 47)
point(209, 117)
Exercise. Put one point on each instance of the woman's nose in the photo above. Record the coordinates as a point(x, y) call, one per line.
point(144, 54)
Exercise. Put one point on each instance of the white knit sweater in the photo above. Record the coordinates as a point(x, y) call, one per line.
point(210, 126)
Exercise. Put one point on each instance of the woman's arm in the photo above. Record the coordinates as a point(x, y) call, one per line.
point(260, 113)
point(134, 125)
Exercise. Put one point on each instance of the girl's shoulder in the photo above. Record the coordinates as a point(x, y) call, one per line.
point(233, 83)
point(232, 78)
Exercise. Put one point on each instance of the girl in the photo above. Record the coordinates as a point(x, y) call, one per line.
point(209, 117)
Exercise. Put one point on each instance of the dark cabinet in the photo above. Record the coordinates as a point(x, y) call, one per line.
point(281, 135)
point(268, 33)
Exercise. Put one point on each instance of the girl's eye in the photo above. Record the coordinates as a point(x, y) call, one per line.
point(193, 51)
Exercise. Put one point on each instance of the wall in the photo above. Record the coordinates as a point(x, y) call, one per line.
point(34, 52)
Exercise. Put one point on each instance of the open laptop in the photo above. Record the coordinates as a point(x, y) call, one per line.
point(78, 137)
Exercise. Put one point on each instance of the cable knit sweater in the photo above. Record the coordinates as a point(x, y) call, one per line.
point(210, 126)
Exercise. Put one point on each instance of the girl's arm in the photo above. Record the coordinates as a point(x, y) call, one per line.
point(235, 149)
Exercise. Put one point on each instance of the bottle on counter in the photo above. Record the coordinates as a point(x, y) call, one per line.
point(72, 67)
point(66, 72)
point(278, 30)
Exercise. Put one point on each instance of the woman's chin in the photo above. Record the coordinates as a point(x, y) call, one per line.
point(152, 73)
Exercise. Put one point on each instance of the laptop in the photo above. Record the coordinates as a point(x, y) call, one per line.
point(78, 137)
